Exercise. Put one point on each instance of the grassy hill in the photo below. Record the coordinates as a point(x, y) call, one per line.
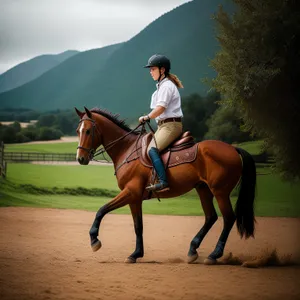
point(31, 69)
point(118, 82)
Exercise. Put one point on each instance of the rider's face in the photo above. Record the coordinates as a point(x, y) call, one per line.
point(155, 72)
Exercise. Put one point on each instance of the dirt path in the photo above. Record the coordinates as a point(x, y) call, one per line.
point(45, 254)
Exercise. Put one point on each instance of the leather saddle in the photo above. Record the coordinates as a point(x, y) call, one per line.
point(182, 150)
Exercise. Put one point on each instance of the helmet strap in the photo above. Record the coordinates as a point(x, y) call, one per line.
point(159, 78)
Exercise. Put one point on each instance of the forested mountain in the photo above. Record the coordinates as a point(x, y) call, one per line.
point(31, 69)
point(114, 78)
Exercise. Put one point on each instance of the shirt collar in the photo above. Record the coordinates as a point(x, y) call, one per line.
point(161, 82)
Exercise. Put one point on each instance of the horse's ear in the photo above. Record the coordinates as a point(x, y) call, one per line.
point(89, 114)
point(79, 113)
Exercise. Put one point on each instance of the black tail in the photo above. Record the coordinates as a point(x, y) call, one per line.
point(244, 208)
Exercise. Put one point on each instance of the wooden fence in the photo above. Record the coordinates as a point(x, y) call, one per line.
point(3, 165)
point(40, 157)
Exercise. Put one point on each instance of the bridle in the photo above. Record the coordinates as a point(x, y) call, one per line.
point(92, 152)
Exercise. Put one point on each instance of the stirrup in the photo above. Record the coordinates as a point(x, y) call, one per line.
point(158, 187)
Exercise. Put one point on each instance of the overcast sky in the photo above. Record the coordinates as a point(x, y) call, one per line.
point(29, 28)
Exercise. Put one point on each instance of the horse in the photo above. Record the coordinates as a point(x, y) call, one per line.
point(215, 169)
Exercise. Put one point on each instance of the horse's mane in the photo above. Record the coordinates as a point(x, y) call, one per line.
point(114, 118)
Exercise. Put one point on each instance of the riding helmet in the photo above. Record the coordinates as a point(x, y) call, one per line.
point(158, 60)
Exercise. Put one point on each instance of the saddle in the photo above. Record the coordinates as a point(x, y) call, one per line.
point(182, 150)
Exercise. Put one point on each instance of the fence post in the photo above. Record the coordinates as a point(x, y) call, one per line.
point(3, 165)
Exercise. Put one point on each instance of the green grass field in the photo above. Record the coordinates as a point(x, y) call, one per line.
point(252, 147)
point(71, 147)
point(43, 148)
point(71, 187)
point(60, 183)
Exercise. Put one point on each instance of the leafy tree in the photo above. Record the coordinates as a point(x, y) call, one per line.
point(30, 133)
point(197, 110)
point(258, 71)
point(21, 138)
point(46, 120)
point(225, 125)
point(16, 125)
point(8, 134)
point(48, 133)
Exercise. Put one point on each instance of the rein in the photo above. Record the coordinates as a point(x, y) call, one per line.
point(93, 153)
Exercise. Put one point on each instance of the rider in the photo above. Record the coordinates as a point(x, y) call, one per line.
point(166, 110)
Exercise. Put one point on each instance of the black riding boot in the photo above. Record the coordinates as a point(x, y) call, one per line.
point(160, 170)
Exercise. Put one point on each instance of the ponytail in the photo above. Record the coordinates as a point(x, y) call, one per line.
point(175, 80)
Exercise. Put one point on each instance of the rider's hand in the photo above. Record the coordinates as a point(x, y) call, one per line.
point(143, 119)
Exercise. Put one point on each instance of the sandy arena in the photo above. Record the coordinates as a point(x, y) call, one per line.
point(45, 254)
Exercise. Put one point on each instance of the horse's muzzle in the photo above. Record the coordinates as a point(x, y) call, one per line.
point(83, 161)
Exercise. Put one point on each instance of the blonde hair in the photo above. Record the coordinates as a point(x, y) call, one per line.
point(175, 80)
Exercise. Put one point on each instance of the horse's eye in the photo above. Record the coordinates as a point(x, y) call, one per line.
point(88, 132)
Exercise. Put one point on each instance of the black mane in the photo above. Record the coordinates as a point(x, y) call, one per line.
point(113, 118)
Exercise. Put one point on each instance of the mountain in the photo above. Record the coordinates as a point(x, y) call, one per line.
point(31, 69)
point(117, 80)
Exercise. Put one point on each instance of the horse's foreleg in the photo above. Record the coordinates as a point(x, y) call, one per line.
point(211, 217)
point(228, 221)
point(137, 215)
point(120, 200)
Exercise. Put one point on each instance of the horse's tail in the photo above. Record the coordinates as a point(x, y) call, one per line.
point(244, 208)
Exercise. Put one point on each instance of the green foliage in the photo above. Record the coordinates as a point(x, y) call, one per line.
point(11, 133)
point(258, 71)
point(49, 126)
point(18, 114)
point(197, 110)
point(225, 125)
point(48, 133)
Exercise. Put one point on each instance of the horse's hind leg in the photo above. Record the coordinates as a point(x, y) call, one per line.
point(228, 221)
point(137, 215)
point(211, 217)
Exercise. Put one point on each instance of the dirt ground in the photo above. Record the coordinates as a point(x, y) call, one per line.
point(45, 254)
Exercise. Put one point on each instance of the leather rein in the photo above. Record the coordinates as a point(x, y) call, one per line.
point(92, 153)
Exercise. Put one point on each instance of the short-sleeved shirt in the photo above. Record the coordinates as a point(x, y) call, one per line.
point(167, 95)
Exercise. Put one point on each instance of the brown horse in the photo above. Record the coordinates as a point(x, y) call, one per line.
point(215, 171)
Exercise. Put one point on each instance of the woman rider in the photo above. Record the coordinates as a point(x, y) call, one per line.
point(166, 110)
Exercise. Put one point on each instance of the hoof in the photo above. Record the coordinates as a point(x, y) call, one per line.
point(130, 260)
point(210, 261)
point(192, 258)
point(96, 246)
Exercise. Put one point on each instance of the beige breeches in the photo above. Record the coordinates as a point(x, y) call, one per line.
point(165, 135)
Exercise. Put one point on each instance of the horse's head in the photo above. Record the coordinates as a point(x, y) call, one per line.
point(89, 136)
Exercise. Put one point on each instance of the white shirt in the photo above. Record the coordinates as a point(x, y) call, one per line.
point(167, 95)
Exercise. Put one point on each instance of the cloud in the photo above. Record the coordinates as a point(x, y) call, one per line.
point(32, 27)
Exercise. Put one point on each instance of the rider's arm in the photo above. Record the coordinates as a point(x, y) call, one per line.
point(157, 111)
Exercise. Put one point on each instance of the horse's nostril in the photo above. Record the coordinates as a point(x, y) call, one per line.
point(80, 160)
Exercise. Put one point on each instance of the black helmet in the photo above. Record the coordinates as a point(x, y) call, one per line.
point(158, 60)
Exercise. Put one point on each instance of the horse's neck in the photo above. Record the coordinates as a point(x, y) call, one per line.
point(116, 140)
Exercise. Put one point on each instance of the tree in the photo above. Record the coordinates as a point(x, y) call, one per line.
point(48, 133)
point(225, 125)
point(47, 120)
point(197, 110)
point(8, 134)
point(258, 70)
